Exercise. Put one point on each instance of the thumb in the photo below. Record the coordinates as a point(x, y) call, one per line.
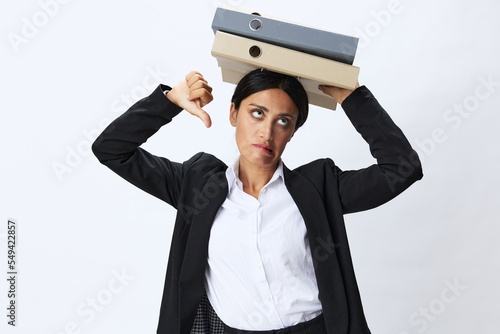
point(194, 108)
point(204, 116)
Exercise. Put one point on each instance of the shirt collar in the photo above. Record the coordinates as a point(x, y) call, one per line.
point(234, 180)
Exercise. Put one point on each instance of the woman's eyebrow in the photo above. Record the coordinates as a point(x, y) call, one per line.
point(267, 110)
point(259, 106)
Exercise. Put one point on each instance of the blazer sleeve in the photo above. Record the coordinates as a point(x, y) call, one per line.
point(398, 165)
point(118, 147)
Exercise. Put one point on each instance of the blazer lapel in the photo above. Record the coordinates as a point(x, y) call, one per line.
point(326, 265)
point(192, 276)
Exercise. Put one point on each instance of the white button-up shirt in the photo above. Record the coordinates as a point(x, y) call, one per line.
point(260, 273)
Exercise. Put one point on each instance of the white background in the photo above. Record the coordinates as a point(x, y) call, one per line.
point(82, 226)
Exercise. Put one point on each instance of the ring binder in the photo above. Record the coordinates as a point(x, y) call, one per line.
point(235, 59)
point(317, 42)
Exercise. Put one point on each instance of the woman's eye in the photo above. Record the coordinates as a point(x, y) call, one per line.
point(257, 113)
point(283, 121)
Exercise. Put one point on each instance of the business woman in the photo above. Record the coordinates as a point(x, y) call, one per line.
point(257, 247)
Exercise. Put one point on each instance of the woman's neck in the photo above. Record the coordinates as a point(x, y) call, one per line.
point(254, 178)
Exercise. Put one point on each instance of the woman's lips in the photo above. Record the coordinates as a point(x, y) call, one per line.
point(265, 148)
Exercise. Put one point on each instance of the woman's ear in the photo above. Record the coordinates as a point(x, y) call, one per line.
point(233, 114)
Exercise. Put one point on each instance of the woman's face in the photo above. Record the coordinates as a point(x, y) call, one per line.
point(265, 123)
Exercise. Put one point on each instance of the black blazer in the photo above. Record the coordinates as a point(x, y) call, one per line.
point(323, 194)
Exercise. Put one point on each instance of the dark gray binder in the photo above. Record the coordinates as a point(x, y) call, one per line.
point(317, 42)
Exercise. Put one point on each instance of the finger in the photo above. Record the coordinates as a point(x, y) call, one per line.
point(201, 87)
point(202, 95)
point(339, 94)
point(192, 74)
point(194, 78)
point(328, 89)
point(201, 91)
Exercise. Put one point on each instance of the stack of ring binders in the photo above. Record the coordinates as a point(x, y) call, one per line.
point(245, 41)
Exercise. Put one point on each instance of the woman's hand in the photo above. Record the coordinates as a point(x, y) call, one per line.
point(192, 94)
point(339, 94)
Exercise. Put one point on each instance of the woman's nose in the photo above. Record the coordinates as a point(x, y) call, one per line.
point(266, 131)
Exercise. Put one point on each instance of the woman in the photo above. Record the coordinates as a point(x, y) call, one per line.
point(256, 247)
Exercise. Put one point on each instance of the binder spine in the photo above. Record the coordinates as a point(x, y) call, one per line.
point(234, 48)
point(316, 42)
